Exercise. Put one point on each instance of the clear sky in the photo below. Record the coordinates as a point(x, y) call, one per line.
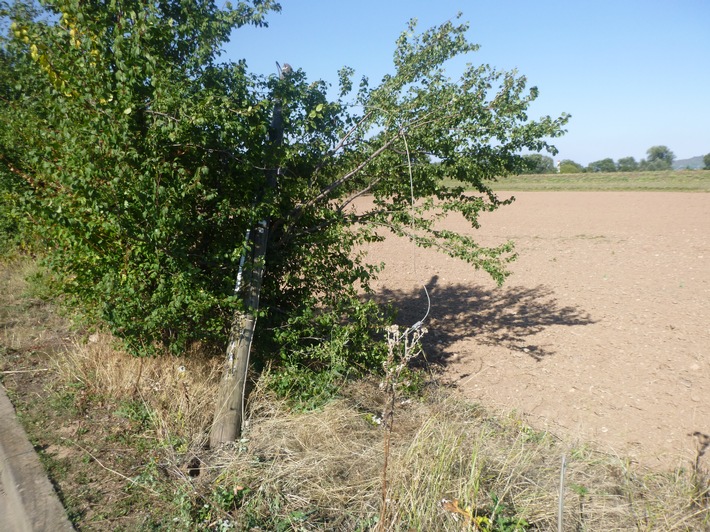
point(632, 73)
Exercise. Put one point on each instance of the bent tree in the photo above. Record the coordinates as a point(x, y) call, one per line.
point(141, 160)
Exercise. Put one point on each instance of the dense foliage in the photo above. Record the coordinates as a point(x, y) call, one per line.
point(568, 166)
point(659, 158)
point(627, 164)
point(537, 163)
point(140, 160)
point(605, 165)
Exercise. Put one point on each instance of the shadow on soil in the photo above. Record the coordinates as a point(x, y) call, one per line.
point(510, 317)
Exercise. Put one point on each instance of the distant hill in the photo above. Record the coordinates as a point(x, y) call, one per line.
point(694, 163)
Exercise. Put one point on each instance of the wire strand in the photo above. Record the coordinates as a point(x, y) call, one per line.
point(418, 324)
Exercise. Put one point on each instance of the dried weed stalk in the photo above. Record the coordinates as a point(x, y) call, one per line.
point(402, 348)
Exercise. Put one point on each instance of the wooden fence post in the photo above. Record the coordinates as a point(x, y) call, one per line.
point(229, 412)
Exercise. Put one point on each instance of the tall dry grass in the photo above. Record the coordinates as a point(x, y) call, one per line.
point(445, 449)
point(325, 466)
point(179, 392)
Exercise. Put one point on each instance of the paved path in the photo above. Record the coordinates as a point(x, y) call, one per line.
point(27, 500)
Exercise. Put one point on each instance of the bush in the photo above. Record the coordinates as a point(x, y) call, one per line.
point(142, 162)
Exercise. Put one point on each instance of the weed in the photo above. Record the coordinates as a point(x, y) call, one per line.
point(701, 476)
point(136, 411)
point(402, 346)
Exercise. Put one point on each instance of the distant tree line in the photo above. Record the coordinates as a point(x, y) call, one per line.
point(658, 158)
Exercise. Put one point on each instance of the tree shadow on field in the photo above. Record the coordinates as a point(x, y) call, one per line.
point(510, 316)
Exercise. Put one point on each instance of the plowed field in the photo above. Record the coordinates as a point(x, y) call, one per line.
point(602, 333)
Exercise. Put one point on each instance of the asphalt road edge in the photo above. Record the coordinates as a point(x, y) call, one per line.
point(28, 501)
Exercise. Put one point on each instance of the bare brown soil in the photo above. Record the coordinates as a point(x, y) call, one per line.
point(602, 333)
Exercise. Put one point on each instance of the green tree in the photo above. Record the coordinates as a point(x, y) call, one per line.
point(125, 143)
point(141, 160)
point(568, 166)
point(627, 164)
point(605, 165)
point(14, 225)
point(536, 163)
point(659, 158)
point(706, 161)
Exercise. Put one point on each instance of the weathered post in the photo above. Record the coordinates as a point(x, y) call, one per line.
point(229, 412)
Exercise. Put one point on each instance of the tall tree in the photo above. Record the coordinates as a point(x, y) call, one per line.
point(706, 161)
point(659, 158)
point(142, 161)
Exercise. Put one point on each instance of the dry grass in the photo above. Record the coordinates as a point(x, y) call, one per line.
point(444, 448)
point(25, 321)
point(451, 462)
point(179, 392)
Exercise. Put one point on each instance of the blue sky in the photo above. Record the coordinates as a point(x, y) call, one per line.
point(632, 73)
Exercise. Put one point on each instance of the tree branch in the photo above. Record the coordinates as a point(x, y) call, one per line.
point(338, 182)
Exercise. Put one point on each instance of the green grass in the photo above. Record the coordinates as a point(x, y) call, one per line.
point(671, 181)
